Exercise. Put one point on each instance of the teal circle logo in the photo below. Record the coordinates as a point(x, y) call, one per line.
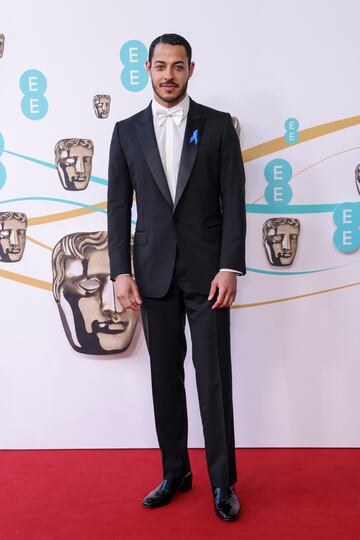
point(2, 175)
point(133, 55)
point(278, 170)
point(278, 195)
point(2, 168)
point(33, 85)
point(278, 173)
point(347, 219)
point(291, 130)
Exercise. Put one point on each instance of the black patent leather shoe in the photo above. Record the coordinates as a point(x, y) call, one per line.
point(164, 492)
point(226, 503)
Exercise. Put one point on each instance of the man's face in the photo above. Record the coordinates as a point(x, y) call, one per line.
point(357, 177)
point(281, 244)
point(102, 106)
point(96, 324)
point(2, 43)
point(169, 73)
point(12, 240)
point(74, 167)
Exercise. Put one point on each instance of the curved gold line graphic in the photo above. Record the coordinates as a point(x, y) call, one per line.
point(325, 159)
point(69, 214)
point(26, 280)
point(313, 165)
point(38, 243)
point(47, 286)
point(280, 143)
point(264, 303)
point(249, 154)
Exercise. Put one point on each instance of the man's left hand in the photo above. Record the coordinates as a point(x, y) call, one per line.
point(226, 283)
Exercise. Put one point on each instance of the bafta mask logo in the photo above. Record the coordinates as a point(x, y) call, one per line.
point(13, 227)
point(73, 158)
point(93, 320)
point(357, 177)
point(2, 45)
point(280, 238)
point(102, 105)
point(236, 123)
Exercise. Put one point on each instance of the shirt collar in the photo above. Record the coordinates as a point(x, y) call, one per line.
point(184, 105)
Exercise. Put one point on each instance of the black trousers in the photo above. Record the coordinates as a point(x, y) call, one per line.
point(164, 328)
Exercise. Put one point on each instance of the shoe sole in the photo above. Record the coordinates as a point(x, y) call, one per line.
point(227, 518)
point(156, 505)
point(182, 489)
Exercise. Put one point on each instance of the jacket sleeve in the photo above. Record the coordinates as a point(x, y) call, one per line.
point(232, 196)
point(119, 203)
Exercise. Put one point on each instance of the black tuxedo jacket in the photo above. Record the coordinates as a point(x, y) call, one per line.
point(207, 220)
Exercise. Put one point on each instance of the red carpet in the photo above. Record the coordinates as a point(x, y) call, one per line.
point(286, 494)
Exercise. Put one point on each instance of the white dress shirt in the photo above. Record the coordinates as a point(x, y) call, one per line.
point(169, 127)
point(169, 132)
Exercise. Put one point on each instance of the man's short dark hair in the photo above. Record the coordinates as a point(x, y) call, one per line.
point(171, 39)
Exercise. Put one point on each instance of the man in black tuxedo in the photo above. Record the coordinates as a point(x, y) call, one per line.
point(183, 161)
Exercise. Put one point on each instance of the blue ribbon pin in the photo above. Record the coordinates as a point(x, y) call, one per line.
point(194, 137)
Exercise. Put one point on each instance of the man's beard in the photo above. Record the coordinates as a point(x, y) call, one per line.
point(170, 99)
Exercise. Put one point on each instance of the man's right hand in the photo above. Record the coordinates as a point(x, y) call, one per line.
point(127, 292)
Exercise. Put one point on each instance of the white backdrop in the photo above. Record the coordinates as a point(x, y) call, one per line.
point(295, 362)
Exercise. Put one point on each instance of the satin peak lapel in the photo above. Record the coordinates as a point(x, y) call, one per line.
point(147, 138)
point(189, 149)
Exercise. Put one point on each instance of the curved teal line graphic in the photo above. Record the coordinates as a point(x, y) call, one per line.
point(53, 199)
point(96, 179)
point(292, 208)
point(104, 211)
point(250, 208)
point(275, 273)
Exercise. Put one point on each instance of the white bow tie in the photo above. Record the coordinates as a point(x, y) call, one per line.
point(176, 114)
